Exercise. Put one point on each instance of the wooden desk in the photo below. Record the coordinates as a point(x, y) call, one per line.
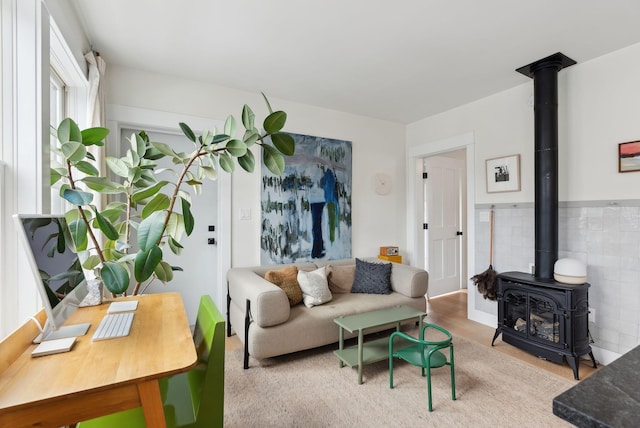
point(98, 378)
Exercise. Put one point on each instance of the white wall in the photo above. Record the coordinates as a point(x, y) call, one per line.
point(377, 147)
point(599, 107)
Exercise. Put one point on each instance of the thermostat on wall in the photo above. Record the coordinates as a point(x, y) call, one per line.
point(389, 251)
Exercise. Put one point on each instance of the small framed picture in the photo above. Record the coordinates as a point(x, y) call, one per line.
point(629, 156)
point(503, 174)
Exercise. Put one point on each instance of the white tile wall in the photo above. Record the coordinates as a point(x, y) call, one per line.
point(605, 235)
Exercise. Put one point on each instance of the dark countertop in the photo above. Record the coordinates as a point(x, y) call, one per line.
point(608, 398)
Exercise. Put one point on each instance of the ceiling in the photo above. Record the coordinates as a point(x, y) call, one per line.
point(400, 61)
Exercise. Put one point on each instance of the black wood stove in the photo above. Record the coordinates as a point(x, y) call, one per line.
point(546, 318)
point(536, 313)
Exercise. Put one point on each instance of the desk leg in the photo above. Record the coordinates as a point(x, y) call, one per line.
point(151, 401)
point(341, 345)
point(360, 351)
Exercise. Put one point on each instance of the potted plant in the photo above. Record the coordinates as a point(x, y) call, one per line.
point(127, 238)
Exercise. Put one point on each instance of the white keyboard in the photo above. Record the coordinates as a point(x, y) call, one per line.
point(114, 325)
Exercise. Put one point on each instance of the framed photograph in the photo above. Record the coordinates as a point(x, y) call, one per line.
point(629, 156)
point(503, 174)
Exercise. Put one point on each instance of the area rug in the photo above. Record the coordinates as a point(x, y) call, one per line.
point(309, 389)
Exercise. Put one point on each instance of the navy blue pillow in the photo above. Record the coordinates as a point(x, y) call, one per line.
point(372, 278)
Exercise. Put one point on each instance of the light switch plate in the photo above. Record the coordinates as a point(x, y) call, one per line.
point(245, 213)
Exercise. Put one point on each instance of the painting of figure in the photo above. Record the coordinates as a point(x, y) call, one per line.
point(306, 212)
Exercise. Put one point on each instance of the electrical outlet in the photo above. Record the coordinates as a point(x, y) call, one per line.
point(592, 315)
point(532, 268)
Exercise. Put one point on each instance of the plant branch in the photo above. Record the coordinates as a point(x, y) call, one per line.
point(200, 152)
point(84, 216)
point(127, 227)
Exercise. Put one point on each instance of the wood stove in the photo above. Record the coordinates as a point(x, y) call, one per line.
point(546, 318)
point(536, 313)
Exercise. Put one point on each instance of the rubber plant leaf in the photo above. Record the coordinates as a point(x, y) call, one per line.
point(267, 102)
point(73, 151)
point(77, 197)
point(273, 159)
point(284, 143)
point(187, 217)
point(230, 126)
point(146, 263)
point(140, 145)
point(94, 136)
point(87, 168)
point(226, 162)
point(103, 185)
point(150, 230)
point(115, 277)
point(219, 138)
point(175, 246)
point(106, 227)
point(68, 130)
point(118, 166)
point(55, 176)
point(78, 230)
point(250, 137)
point(247, 162)
point(159, 202)
point(236, 148)
point(148, 191)
point(275, 122)
point(91, 263)
point(187, 132)
point(248, 117)
point(164, 272)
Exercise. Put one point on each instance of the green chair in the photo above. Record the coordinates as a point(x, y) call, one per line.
point(191, 399)
point(422, 353)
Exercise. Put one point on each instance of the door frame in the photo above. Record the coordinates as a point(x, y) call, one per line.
point(119, 117)
point(414, 155)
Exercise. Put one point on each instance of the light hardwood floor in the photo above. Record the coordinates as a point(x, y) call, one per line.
point(450, 312)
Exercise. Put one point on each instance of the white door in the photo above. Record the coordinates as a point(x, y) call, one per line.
point(443, 192)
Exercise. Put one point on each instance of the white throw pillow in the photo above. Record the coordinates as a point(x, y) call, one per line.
point(314, 286)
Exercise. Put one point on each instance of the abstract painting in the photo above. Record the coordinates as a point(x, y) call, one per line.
point(306, 212)
point(629, 156)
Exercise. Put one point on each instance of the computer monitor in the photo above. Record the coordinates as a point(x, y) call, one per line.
point(56, 269)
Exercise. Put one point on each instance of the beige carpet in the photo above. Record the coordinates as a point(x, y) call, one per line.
point(308, 389)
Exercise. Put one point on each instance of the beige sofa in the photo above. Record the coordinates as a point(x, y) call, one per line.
point(260, 314)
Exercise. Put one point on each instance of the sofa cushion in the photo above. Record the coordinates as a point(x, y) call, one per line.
point(314, 286)
point(372, 278)
point(287, 279)
point(341, 278)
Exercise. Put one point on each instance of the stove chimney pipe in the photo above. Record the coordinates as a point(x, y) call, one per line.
point(545, 83)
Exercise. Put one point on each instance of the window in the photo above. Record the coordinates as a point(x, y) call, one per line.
point(30, 46)
point(57, 112)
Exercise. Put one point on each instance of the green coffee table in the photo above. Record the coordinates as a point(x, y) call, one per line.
point(373, 350)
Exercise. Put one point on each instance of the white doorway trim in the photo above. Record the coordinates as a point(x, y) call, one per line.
point(415, 154)
point(119, 117)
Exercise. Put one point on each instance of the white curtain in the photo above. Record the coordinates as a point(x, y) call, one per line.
point(96, 110)
point(95, 105)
